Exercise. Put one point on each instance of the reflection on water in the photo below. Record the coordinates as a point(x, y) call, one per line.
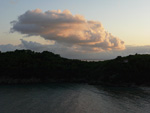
point(73, 98)
point(127, 100)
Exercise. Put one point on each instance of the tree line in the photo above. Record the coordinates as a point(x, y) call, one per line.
point(48, 67)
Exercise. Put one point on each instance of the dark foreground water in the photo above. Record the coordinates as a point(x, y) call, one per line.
point(73, 98)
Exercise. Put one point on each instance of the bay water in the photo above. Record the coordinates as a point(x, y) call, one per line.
point(73, 98)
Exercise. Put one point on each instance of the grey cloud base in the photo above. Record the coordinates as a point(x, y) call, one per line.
point(73, 54)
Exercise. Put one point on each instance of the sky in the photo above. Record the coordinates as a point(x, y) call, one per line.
point(82, 29)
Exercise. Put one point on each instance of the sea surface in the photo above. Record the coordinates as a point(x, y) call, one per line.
point(73, 98)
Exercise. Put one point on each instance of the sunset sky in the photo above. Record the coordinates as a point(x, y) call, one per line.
point(83, 29)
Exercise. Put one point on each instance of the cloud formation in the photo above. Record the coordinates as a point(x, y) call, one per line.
point(72, 31)
point(9, 47)
point(68, 52)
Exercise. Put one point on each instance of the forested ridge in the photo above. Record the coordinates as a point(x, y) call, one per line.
point(26, 66)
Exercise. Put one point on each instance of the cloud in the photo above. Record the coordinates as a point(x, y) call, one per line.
point(72, 53)
point(10, 47)
point(56, 48)
point(68, 30)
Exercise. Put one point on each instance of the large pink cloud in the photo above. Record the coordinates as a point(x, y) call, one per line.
point(67, 29)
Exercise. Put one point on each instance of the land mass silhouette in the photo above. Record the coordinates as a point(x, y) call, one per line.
point(26, 66)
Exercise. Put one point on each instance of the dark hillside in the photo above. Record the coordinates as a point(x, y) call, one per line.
point(23, 66)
